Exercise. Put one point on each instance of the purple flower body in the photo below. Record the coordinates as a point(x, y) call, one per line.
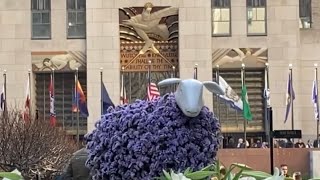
point(139, 140)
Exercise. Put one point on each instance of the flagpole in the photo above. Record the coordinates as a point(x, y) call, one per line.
point(265, 95)
point(30, 100)
point(44, 98)
point(291, 98)
point(244, 121)
point(5, 91)
point(122, 85)
point(149, 72)
point(63, 103)
point(195, 71)
point(54, 96)
point(218, 100)
point(316, 84)
point(101, 80)
point(78, 109)
point(173, 74)
point(269, 118)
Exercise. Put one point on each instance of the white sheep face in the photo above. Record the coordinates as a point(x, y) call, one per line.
point(189, 94)
point(189, 97)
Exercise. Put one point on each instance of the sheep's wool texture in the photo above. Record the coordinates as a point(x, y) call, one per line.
point(139, 140)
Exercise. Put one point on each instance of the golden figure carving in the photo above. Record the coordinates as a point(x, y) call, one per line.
point(148, 22)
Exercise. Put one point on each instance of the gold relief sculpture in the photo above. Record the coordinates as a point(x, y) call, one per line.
point(148, 33)
point(147, 22)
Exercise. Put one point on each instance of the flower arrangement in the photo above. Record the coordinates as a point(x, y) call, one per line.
point(139, 140)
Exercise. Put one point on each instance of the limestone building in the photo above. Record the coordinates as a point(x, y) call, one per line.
point(89, 35)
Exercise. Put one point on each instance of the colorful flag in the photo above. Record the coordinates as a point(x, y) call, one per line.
point(80, 99)
point(2, 99)
point(315, 98)
point(106, 101)
point(230, 97)
point(245, 102)
point(153, 92)
point(123, 95)
point(26, 112)
point(52, 108)
point(290, 96)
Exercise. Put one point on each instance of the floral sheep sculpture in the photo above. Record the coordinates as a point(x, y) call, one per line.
point(139, 140)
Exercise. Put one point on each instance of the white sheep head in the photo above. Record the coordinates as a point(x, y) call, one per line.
point(189, 94)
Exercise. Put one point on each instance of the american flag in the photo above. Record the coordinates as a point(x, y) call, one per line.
point(153, 92)
point(52, 109)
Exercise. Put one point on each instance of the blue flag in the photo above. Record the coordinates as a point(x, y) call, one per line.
point(106, 101)
point(315, 98)
point(290, 96)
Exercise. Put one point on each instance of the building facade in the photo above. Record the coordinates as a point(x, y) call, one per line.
point(86, 35)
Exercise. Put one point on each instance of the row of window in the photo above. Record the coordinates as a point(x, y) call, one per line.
point(41, 19)
point(221, 17)
point(256, 16)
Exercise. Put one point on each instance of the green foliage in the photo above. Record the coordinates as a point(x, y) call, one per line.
point(217, 171)
point(11, 176)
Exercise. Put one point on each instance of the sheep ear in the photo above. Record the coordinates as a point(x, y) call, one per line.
point(213, 87)
point(169, 81)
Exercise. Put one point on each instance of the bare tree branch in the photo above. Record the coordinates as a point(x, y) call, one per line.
point(33, 146)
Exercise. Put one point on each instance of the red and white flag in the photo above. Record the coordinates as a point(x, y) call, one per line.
point(123, 95)
point(26, 112)
point(153, 92)
point(52, 109)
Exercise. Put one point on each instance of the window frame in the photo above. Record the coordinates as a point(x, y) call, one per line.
point(310, 14)
point(33, 11)
point(76, 11)
point(265, 19)
point(212, 22)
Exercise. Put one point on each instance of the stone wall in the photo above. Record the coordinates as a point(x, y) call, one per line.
point(103, 45)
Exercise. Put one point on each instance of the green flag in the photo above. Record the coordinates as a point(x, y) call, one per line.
point(246, 106)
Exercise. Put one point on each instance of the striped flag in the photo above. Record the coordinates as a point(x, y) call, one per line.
point(289, 97)
point(26, 112)
point(315, 98)
point(123, 95)
point(52, 108)
point(153, 92)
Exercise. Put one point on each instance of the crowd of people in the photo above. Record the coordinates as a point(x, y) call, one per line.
point(278, 143)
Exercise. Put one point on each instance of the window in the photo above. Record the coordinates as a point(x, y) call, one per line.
point(76, 23)
point(256, 16)
point(41, 20)
point(64, 91)
point(305, 14)
point(221, 17)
